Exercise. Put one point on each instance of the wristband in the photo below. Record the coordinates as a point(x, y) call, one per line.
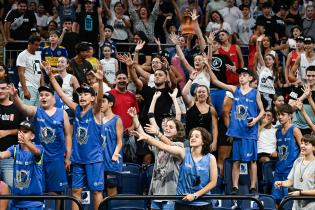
point(150, 115)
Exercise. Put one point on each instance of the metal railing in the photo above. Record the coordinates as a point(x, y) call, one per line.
point(41, 197)
point(104, 204)
point(290, 198)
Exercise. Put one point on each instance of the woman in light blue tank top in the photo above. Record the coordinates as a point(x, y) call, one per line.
point(198, 171)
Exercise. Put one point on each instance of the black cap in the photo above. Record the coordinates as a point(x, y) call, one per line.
point(283, 6)
point(85, 88)
point(224, 31)
point(308, 39)
point(266, 5)
point(34, 30)
point(246, 70)
point(27, 125)
point(109, 97)
point(300, 38)
point(46, 88)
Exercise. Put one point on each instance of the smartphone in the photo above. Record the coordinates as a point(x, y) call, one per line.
point(37, 66)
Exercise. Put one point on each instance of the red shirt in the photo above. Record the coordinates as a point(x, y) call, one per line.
point(294, 55)
point(231, 77)
point(123, 101)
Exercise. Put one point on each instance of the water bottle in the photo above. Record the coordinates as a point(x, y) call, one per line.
point(88, 23)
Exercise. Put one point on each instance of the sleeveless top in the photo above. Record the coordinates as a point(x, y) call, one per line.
point(231, 77)
point(288, 151)
point(66, 87)
point(200, 79)
point(196, 119)
point(50, 133)
point(86, 143)
point(188, 28)
point(109, 142)
point(251, 55)
point(294, 55)
point(109, 69)
point(28, 175)
point(189, 172)
point(244, 108)
point(303, 65)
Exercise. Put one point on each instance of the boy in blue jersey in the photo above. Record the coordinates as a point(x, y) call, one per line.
point(28, 169)
point(54, 51)
point(53, 132)
point(288, 149)
point(247, 110)
point(112, 134)
point(86, 155)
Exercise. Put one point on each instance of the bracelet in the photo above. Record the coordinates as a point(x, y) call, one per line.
point(150, 115)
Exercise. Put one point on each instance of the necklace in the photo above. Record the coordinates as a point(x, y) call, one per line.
point(302, 173)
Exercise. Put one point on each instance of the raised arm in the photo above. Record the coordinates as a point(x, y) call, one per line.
point(189, 100)
point(173, 150)
point(178, 113)
point(151, 117)
point(258, 49)
point(65, 98)
point(202, 42)
point(220, 84)
point(28, 110)
point(99, 98)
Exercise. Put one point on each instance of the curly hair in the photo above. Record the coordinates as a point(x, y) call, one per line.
point(206, 139)
point(180, 134)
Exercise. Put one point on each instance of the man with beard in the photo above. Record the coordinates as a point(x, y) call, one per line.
point(124, 99)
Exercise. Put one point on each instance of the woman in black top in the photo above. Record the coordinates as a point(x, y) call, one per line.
point(200, 113)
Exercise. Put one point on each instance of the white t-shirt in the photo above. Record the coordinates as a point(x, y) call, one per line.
point(230, 15)
point(120, 32)
point(266, 81)
point(32, 68)
point(109, 69)
point(267, 141)
point(42, 20)
point(244, 31)
point(215, 27)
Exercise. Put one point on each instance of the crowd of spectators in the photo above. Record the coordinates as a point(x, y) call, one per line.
point(183, 84)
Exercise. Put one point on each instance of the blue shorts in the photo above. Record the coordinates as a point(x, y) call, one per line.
point(111, 179)
point(280, 193)
point(217, 98)
point(88, 175)
point(164, 205)
point(55, 176)
point(244, 150)
point(31, 208)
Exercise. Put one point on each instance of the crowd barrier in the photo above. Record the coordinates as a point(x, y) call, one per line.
point(105, 203)
point(42, 197)
point(287, 199)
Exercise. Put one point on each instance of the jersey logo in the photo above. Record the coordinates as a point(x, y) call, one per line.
point(22, 179)
point(47, 135)
point(241, 112)
point(82, 136)
point(216, 63)
point(283, 152)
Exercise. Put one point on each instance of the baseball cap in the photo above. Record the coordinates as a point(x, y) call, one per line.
point(283, 6)
point(85, 88)
point(308, 39)
point(34, 30)
point(246, 70)
point(46, 88)
point(266, 5)
point(109, 97)
point(27, 125)
point(300, 38)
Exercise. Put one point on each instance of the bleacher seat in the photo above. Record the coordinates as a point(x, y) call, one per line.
point(244, 179)
point(130, 179)
point(267, 200)
point(268, 169)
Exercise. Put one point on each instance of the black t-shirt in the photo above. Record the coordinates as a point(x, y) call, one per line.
point(10, 118)
point(218, 66)
point(270, 26)
point(89, 24)
point(145, 51)
point(21, 24)
point(79, 70)
point(281, 26)
point(297, 92)
point(162, 107)
point(69, 41)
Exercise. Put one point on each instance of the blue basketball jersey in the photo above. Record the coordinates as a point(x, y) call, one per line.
point(27, 175)
point(59, 102)
point(288, 151)
point(86, 144)
point(244, 108)
point(109, 142)
point(190, 171)
point(50, 133)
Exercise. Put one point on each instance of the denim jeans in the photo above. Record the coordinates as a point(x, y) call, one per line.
point(34, 101)
point(6, 171)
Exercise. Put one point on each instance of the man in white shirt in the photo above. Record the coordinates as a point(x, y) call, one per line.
point(28, 64)
point(231, 13)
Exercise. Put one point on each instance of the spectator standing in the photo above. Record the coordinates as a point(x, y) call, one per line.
point(109, 65)
point(41, 17)
point(106, 39)
point(288, 143)
point(300, 179)
point(66, 9)
point(293, 17)
point(30, 167)
point(291, 76)
point(28, 64)
point(144, 21)
point(308, 22)
point(258, 30)
point(68, 38)
point(10, 119)
point(231, 13)
point(79, 65)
